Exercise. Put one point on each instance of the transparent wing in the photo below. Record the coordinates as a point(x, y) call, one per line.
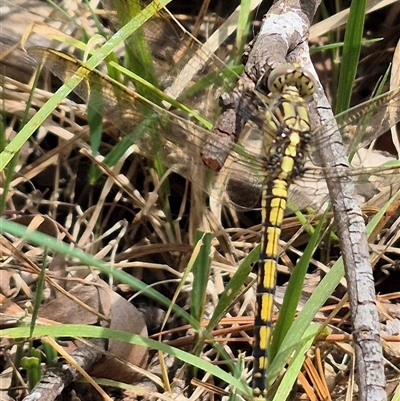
point(156, 131)
point(362, 124)
point(177, 141)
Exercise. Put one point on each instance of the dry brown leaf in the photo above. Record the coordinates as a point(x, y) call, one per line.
point(65, 310)
point(122, 316)
point(125, 317)
point(46, 225)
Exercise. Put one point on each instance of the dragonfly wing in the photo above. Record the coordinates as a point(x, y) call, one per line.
point(158, 132)
point(310, 190)
point(375, 175)
point(177, 141)
point(237, 183)
point(360, 125)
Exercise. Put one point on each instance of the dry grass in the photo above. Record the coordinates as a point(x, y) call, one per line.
point(143, 219)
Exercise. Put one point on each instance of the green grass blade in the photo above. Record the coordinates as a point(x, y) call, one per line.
point(201, 275)
point(14, 161)
point(138, 56)
point(238, 373)
point(324, 289)
point(161, 96)
point(84, 331)
point(39, 291)
point(293, 293)
point(351, 53)
point(95, 121)
point(13, 147)
point(296, 363)
point(242, 30)
point(64, 249)
point(305, 317)
point(200, 268)
point(33, 369)
point(233, 288)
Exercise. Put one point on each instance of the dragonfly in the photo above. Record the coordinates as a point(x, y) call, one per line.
point(286, 118)
point(183, 137)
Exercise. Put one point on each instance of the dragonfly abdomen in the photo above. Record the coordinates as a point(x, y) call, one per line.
point(287, 120)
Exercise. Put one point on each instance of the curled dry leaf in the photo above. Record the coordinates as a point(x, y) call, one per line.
point(10, 312)
point(122, 316)
point(66, 310)
point(45, 225)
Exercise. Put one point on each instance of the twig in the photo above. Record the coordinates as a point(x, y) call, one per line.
point(354, 248)
point(283, 38)
point(55, 379)
point(284, 29)
point(355, 252)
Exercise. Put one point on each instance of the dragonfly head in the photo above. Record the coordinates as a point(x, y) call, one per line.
point(291, 75)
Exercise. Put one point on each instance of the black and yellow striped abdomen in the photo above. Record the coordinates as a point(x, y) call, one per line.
point(286, 120)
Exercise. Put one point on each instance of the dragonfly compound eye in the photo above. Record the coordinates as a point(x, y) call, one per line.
point(291, 75)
